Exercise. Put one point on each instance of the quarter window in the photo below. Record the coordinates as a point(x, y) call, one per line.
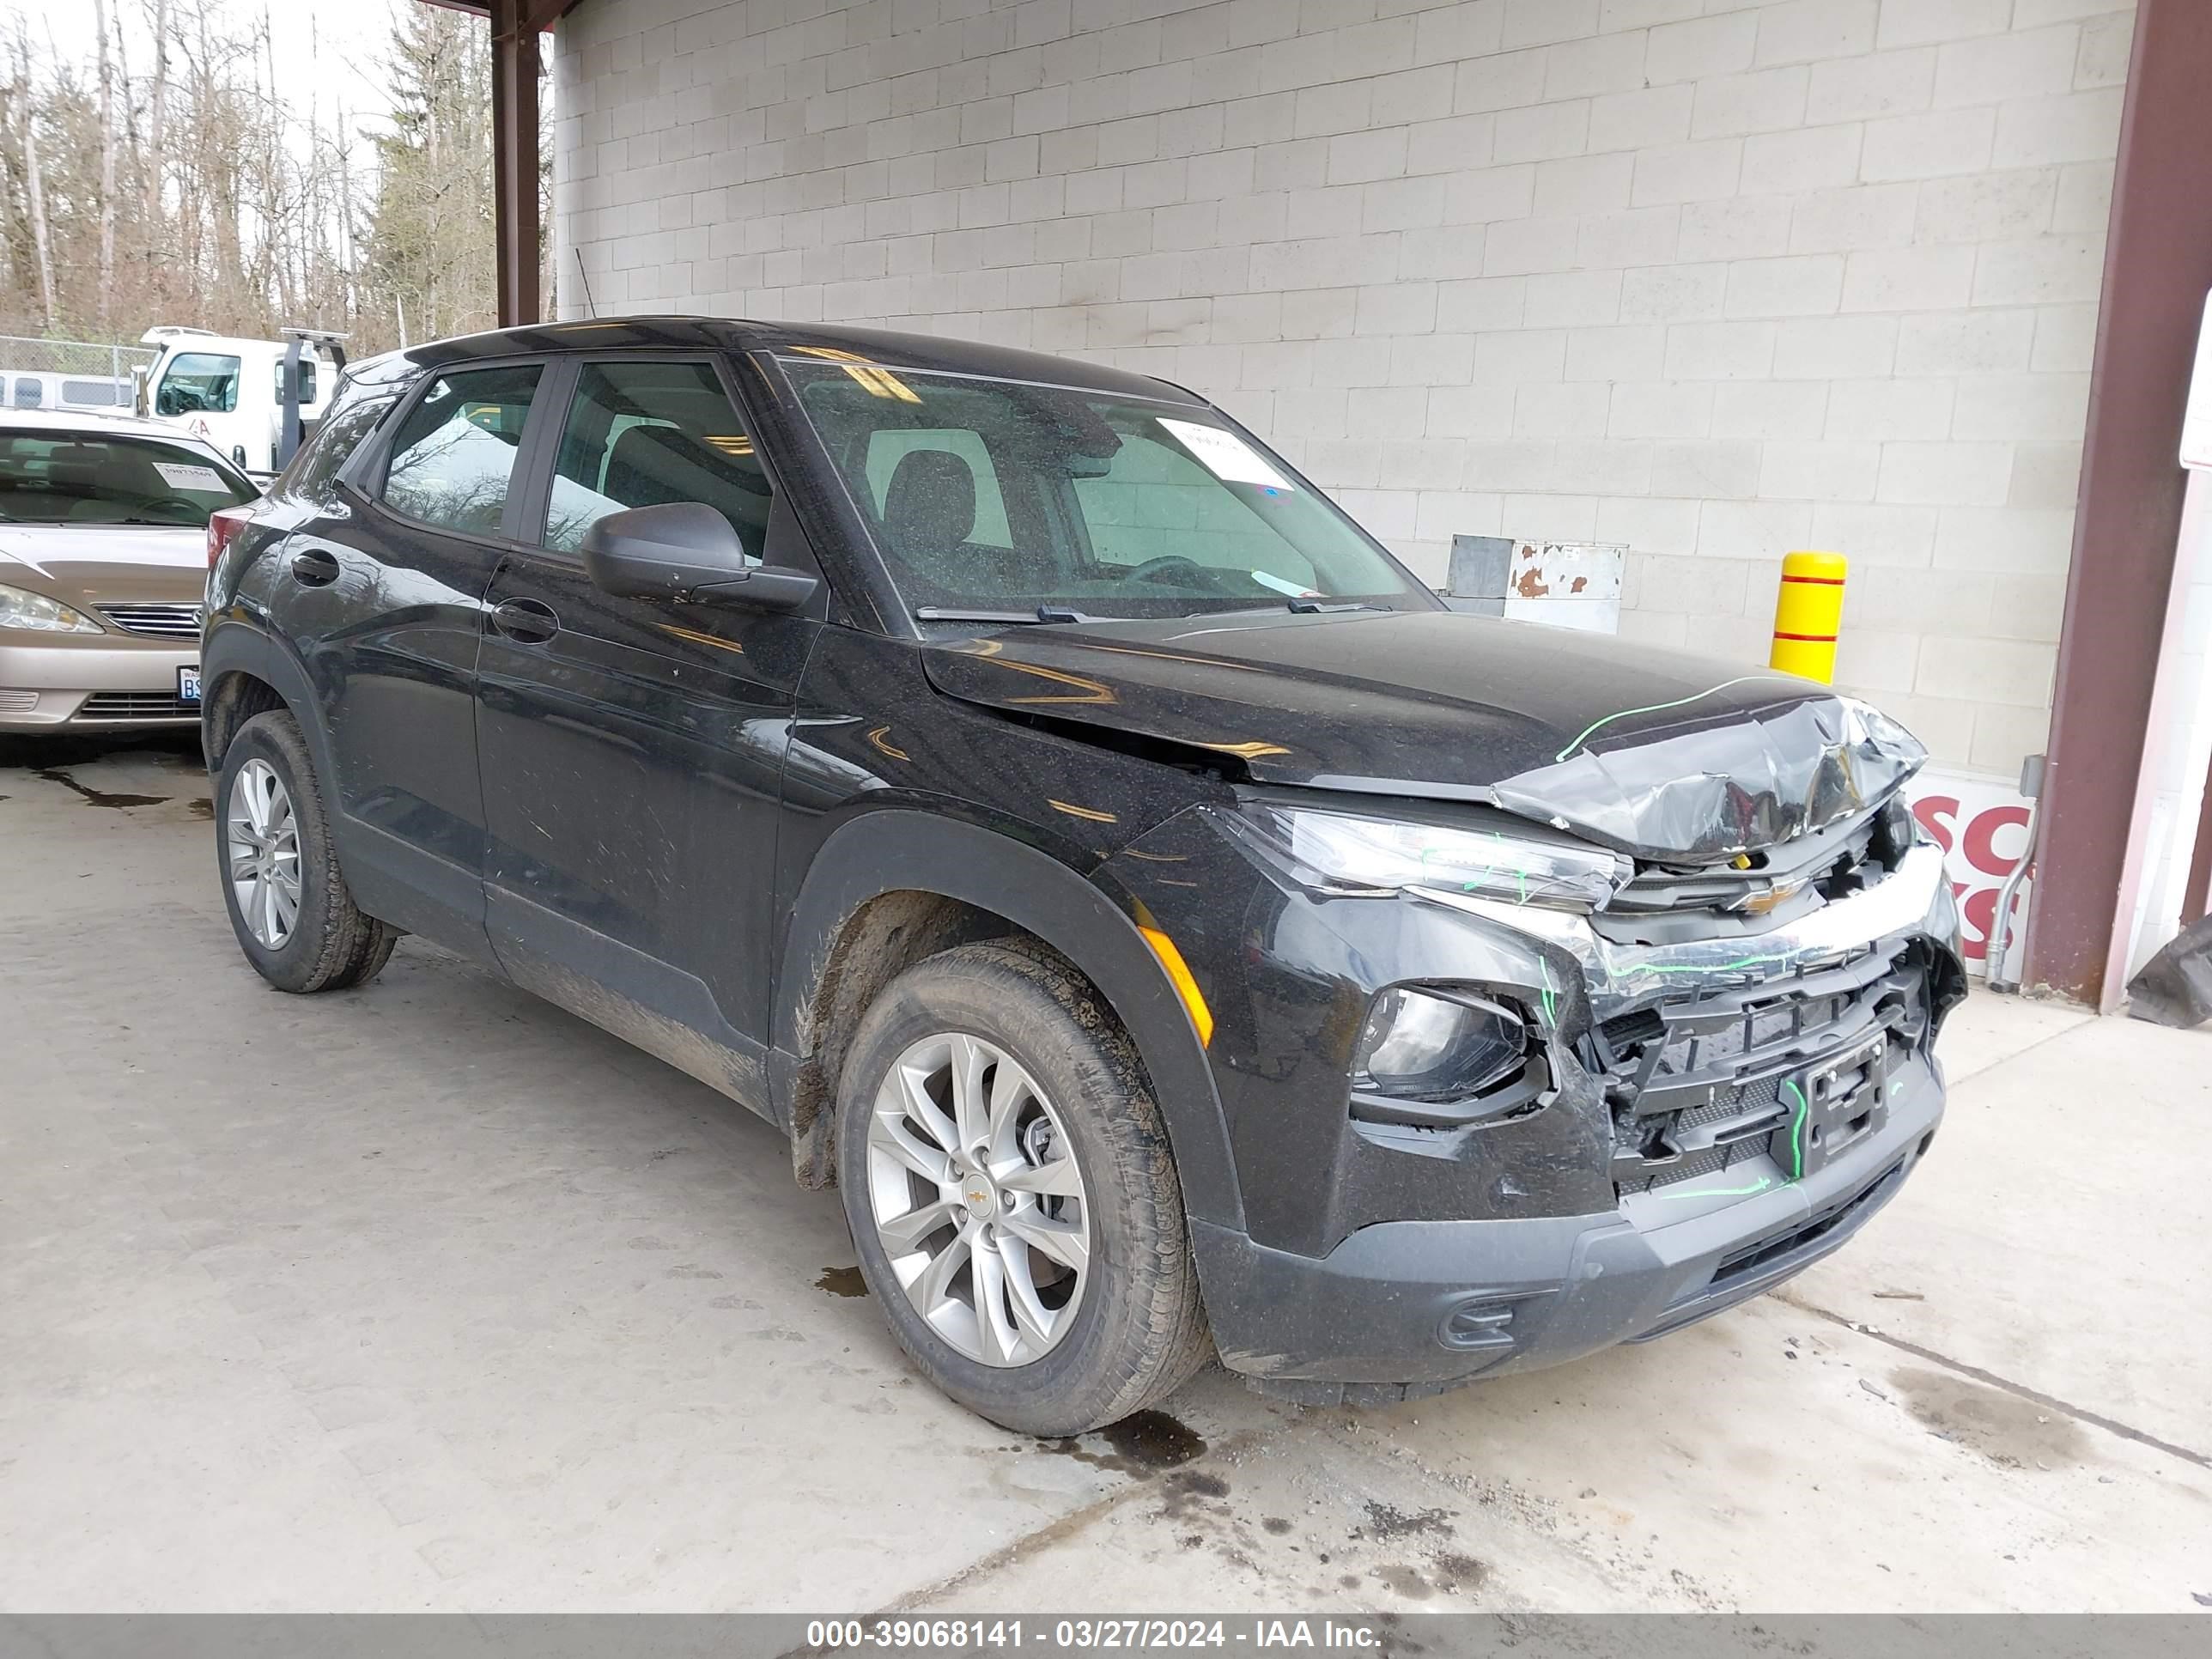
point(198, 383)
point(334, 441)
point(452, 457)
point(641, 435)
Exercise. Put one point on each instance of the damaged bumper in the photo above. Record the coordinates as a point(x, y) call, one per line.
point(1406, 1308)
point(1726, 1112)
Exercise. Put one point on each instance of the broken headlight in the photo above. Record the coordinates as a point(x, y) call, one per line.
point(1347, 854)
point(1443, 1056)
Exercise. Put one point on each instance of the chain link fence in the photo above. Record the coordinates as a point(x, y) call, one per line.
point(38, 374)
point(22, 354)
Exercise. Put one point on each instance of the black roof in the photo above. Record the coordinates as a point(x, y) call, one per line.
point(920, 352)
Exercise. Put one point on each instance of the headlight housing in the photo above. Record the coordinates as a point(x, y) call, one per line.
point(1352, 855)
point(1443, 1056)
point(20, 608)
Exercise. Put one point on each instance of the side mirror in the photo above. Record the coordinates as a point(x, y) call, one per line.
point(685, 550)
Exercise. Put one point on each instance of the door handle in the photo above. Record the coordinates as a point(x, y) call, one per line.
point(314, 569)
point(527, 620)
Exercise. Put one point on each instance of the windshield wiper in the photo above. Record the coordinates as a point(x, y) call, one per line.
point(1043, 613)
point(1303, 607)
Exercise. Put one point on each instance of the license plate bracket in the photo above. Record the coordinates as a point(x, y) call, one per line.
point(1834, 1104)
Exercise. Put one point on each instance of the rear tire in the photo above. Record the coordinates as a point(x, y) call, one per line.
point(1103, 1319)
point(289, 905)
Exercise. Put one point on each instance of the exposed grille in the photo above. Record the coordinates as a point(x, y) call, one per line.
point(1664, 904)
point(137, 706)
point(1696, 1084)
point(177, 621)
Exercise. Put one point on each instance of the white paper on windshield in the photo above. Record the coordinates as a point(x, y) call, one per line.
point(1225, 455)
point(190, 478)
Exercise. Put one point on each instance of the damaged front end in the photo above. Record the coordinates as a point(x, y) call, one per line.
point(1506, 1086)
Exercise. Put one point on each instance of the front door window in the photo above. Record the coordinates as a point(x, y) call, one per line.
point(640, 434)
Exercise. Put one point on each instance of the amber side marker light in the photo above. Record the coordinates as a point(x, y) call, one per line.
point(1179, 976)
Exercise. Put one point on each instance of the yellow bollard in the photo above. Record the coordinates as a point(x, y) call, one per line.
point(1808, 614)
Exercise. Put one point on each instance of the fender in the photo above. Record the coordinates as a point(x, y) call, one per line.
point(233, 645)
point(892, 850)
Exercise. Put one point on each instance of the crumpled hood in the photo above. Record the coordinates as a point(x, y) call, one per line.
point(1658, 753)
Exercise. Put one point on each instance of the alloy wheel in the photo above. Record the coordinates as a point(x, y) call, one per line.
point(262, 841)
point(976, 1199)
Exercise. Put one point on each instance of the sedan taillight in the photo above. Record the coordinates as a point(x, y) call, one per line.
point(223, 525)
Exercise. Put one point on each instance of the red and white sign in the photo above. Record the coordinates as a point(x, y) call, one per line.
point(1982, 827)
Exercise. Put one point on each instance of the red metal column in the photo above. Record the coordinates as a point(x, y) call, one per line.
point(2196, 899)
point(2158, 264)
point(515, 158)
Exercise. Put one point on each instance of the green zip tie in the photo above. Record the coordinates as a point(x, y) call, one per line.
point(1658, 708)
point(1797, 1129)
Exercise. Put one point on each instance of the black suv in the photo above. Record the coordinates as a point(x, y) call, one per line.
point(1168, 926)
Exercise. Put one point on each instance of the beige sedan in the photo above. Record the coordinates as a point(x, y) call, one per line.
point(103, 562)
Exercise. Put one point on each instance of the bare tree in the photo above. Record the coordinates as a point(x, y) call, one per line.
point(150, 184)
point(204, 189)
point(107, 168)
point(33, 185)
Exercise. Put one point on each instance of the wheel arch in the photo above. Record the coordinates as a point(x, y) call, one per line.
point(244, 672)
point(893, 886)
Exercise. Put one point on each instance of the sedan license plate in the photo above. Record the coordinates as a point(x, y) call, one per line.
point(188, 684)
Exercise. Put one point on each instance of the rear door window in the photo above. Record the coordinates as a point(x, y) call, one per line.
point(452, 457)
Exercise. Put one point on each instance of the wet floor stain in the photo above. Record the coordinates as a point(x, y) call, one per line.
point(1141, 1444)
point(1455, 1573)
point(842, 1281)
point(2008, 1430)
point(97, 797)
point(1187, 1491)
point(1154, 1440)
point(1276, 1524)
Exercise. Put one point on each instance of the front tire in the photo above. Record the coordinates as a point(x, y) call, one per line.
point(288, 904)
point(1012, 1193)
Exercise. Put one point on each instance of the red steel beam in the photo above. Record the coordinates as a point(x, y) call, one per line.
point(2197, 897)
point(515, 160)
point(2158, 264)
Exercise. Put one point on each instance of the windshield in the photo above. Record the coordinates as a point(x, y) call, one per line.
point(198, 383)
point(78, 477)
point(999, 496)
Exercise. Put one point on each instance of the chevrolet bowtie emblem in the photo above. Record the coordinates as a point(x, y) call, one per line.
point(1762, 903)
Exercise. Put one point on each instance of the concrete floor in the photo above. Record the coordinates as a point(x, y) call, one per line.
point(430, 1296)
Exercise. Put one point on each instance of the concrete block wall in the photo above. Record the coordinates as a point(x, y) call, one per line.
point(1714, 279)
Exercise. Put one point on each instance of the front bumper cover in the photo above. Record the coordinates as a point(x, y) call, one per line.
point(1398, 1308)
point(1405, 1308)
point(45, 682)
